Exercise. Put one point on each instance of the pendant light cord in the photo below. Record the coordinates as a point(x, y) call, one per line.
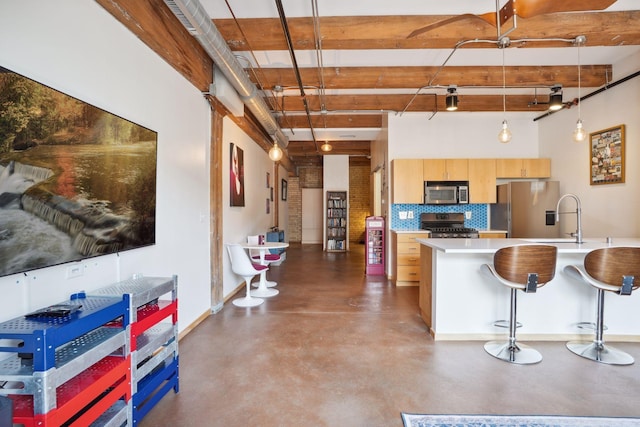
point(579, 86)
point(504, 88)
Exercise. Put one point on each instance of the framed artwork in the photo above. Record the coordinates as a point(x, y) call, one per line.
point(268, 180)
point(76, 181)
point(606, 160)
point(283, 190)
point(268, 206)
point(236, 179)
point(271, 193)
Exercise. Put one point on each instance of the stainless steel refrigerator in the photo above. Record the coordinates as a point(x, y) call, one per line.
point(523, 208)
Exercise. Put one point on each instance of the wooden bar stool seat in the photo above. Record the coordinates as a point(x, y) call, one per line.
point(524, 268)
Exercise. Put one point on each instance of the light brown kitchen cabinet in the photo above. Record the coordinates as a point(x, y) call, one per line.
point(406, 264)
point(445, 169)
point(492, 235)
point(523, 168)
point(482, 181)
point(407, 182)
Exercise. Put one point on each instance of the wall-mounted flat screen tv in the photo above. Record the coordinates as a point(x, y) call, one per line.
point(75, 181)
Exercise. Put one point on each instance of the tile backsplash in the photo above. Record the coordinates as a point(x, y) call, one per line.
point(479, 218)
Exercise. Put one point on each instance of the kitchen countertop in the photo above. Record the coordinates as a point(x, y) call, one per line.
point(568, 245)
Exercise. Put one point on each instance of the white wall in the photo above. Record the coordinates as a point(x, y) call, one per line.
point(607, 210)
point(460, 135)
point(78, 48)
point(239, 222)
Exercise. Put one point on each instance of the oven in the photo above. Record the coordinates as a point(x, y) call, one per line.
point(447, 225)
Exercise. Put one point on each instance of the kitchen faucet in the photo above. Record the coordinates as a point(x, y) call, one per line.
point(578, 233)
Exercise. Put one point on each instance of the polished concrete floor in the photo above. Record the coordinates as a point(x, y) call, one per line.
point(338, 348)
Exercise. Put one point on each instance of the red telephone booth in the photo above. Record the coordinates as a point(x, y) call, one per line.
point(374, 258)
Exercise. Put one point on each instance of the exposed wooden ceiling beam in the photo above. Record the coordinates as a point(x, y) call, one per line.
point(390, 32)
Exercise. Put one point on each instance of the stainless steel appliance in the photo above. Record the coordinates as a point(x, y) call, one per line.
point(447, 225)
point(446, 192)
point(524, 207)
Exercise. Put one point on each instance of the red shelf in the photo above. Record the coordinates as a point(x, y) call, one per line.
point(90, 394)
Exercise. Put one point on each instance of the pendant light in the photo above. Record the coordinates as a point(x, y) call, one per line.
point(505, 134)
point(275, 153)
point(326, 147)
point(579, 134)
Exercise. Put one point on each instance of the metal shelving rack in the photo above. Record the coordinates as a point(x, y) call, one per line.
point(154, 339)
point(72, 369)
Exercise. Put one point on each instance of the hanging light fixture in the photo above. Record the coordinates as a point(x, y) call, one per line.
point(326, 147)
point(579, 134)
point(555, 98)
point(505, 134)
point(452, 98)
point(275, 153)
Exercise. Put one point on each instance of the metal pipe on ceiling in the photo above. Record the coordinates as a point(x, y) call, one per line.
point(296, 69)
point(197, 21)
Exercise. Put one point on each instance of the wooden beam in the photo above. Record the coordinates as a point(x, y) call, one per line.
point(417, 77)
point(158, 28)
point(391, 32)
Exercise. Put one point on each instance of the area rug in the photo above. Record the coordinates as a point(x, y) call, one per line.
point(417, 420)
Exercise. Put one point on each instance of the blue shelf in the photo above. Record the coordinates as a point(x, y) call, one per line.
point(42, 336)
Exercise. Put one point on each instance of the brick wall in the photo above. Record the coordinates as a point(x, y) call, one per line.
point(359, 200)
point(294, 202)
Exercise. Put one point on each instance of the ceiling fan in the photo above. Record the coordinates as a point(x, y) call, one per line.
point(523, 9)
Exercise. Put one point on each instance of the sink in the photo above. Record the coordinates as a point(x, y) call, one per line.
point(554, 240)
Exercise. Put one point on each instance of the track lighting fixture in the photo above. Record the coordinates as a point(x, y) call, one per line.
point(452, 98)
point(275, 153)
point(326, 147)
point(555, 98)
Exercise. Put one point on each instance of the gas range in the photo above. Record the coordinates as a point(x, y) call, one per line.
point(447, 225)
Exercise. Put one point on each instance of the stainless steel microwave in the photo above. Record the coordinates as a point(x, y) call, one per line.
point(446, 192)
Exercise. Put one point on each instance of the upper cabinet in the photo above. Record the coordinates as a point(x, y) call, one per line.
point(408, 175)
point(408, 185)
point(445, 169)
point(523, 168)
point(482, 181)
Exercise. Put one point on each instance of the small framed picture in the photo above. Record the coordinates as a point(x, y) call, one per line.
point(283, 190)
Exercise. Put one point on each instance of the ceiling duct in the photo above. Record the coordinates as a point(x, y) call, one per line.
point(196, 20)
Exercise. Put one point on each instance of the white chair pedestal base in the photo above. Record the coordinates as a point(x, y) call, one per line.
point(520, 354)
point(264, 293)
point(269, 284)
point(247, 301)
point(600, 353)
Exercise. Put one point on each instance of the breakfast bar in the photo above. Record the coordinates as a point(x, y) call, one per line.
point(459, 302)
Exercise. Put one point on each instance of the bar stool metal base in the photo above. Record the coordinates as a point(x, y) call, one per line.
point(520, 354)
point(600, 353)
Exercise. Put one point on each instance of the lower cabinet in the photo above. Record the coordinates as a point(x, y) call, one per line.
point(492, 235)
point(406, 264)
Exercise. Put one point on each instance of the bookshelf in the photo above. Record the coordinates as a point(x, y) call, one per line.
point(336, 221)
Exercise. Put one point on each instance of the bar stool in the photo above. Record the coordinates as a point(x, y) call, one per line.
point(242, 266)
point(612, 270)
point(525, 268)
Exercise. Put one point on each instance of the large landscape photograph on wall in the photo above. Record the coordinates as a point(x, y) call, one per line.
point(75, 181)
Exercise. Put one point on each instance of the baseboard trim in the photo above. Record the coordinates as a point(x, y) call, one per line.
point(193, 325)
